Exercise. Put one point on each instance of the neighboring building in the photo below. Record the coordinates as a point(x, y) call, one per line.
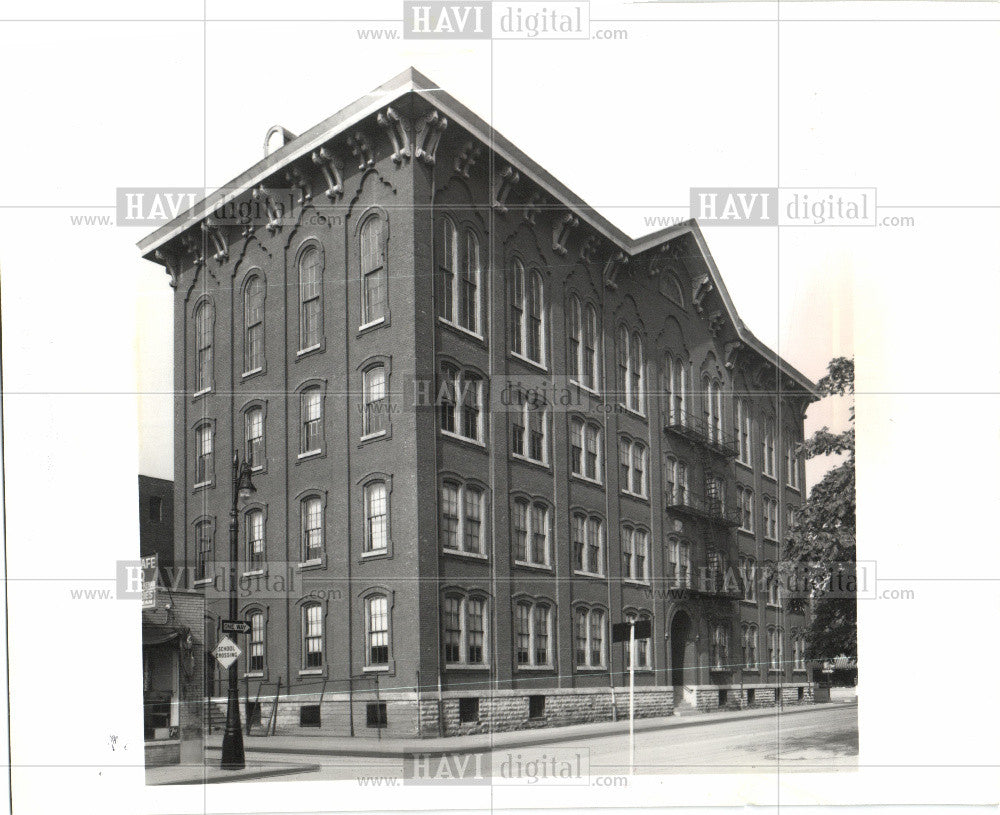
point(485, 425)
point(156, 519)
point(173, 687)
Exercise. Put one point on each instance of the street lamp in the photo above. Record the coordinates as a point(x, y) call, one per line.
point(232, 740)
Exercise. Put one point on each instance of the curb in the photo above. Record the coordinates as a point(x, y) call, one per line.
point(273, 772)
point(551, 736)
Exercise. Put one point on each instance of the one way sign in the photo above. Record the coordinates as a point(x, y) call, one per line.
point(235, 627)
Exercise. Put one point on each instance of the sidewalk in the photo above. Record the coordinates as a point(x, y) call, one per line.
point(211, 773)
point(318, 744)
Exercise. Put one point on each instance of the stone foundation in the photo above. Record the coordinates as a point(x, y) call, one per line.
point(457, 713)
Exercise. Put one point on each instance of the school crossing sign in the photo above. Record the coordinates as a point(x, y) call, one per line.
point(226, 652)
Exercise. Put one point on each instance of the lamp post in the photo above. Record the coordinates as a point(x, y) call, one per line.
point(232, 739)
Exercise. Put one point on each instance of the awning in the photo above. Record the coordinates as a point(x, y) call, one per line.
point(161, 634)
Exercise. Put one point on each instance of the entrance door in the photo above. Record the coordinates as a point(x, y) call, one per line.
point(680, 628)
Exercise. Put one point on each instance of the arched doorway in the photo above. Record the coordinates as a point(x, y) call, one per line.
point(680, 631)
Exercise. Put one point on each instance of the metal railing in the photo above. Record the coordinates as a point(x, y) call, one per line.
point(709, 509)
point(695, 427)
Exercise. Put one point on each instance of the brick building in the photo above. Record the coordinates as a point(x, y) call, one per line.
point(485, 425)
point(173, 655)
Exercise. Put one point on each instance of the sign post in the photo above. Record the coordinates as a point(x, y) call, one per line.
point(629, 631)
point(631, 699)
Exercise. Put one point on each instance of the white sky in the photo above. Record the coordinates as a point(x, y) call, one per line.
point(908, 107)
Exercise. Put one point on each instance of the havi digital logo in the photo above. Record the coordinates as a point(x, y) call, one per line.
point(440, 21)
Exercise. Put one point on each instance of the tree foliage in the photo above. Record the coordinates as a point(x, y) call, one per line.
point(823, 539)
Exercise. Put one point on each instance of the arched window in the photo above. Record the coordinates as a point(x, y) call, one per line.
point(254, 524)
point(460, 398)
point(635, 554)
point(202, 549)
point(630, 370)
point(532, 533)
point(376, 517)
point(459, 278)
point(253, 325)
point(583, 336)
point(643, 653)
point(799, 644)
point(312, 636)
point(632, 456)
point(679, 565)
point(254, 426)
point(748, 578)
point(468, 304)
point(527, 313)
point(675, 481)
point(464, 622)
point(720, 647)
point(311, 420)
point(446, 270)
point(532, 632)
point(585, 449)
point(589, 636)
point(258, 639)
point(204, 465)
point(745, 497)
point(373, 270)
point(310, 299)
point(675, 379)
point(529, 427)
point(769, 448)
point(588, 544)
point(774, 658)
point(791, 463)
point(742, 432)
point(204, 330)
point(377, 631)
point(375, 419)
point(462, 512)
point(713, 408)
point(750, 647)
point(312, 529)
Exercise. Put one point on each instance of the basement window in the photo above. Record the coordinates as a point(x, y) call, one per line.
point(309, 716)
point(536, 707)
point(376, 714)
point(802, 694)
point(750, 697)
point(723, 697)
point(253, 713)
point(468, 709)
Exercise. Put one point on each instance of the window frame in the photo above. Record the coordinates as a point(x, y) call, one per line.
point(465, 598)
point(310, 245)
point(370, 665)
point(533, 606)
point(528, 309)
point(306, 626)
point(588, 613)
point(591, 523)
point(367, 489)
point(254, 276)
point(367, 402)
point(461, 488)
point(531, 507)
point(631, 448)
point(630, 356)
point(304, 548)
point(381, 269)
point(455, 382)
point(204, 343)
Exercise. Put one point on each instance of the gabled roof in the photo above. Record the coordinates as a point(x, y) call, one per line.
point(412, 81)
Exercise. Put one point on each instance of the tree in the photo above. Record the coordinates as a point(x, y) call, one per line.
point(822, 542)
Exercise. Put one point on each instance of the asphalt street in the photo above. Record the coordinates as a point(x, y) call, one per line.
point(818, 740)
